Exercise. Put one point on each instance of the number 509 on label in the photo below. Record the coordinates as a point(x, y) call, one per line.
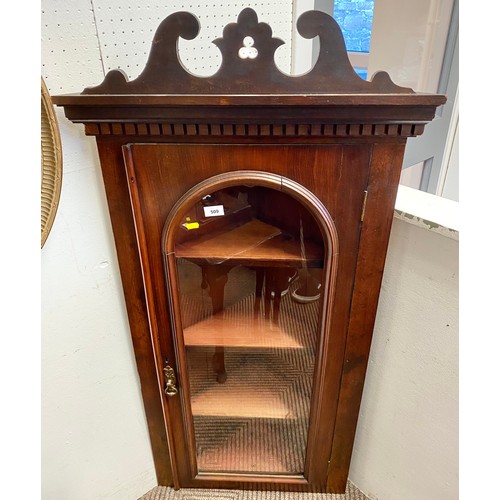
point(214, 211)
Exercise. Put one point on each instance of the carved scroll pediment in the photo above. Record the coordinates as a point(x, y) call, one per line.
point(248, 65)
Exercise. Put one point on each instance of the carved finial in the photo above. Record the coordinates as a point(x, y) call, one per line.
point(248, 66)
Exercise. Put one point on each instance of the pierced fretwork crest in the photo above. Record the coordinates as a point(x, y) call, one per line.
point(248, 66)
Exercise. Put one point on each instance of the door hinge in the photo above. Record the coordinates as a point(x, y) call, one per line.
point(364, 206)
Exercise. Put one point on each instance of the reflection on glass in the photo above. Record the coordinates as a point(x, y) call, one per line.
point(250, 267)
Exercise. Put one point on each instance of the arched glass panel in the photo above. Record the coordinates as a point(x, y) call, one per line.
point(250, 268)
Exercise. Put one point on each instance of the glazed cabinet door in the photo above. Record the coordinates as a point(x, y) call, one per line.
point(248, 255)
point(245, 265)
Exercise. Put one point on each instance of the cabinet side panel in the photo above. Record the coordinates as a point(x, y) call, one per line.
point(117, 194)
point(382, 189)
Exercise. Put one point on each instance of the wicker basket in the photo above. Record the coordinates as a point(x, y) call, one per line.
point(51, 164)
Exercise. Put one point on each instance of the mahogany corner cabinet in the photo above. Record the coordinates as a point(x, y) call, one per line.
point(251, 213)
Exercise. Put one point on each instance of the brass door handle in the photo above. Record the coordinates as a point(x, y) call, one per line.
point(170, 380)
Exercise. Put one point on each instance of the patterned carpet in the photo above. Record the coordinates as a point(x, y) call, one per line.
point(165, 493)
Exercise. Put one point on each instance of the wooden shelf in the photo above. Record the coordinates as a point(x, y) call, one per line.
point(254, 243)
point(240, 330)
point(249, 404)
point(257, 385)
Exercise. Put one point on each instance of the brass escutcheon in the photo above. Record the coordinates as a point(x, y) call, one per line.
point(170, 380)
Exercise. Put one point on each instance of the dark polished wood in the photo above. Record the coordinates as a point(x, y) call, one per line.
point(383, 186)
point(240, 74)
point(337, 175)
point(122, 222)
point(329, 141)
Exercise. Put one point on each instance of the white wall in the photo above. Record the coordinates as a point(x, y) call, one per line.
point(407, 437)
point(94, 438)
point(95, 443)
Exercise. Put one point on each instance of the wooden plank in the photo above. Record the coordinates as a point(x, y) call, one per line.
point(383, 185)
point(111, 157)
point(248, 404)
point(254, 243)
point(239, 331)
